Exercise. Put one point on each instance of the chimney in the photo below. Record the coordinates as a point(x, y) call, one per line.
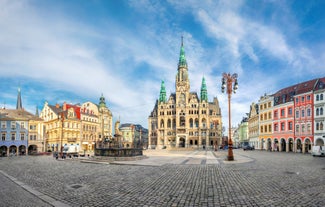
point(57, 105)
point(64, 106)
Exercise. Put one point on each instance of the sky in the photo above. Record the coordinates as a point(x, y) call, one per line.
point(74, 51)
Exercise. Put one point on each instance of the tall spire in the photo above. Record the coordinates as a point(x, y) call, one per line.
point(162, 96)
point(19, 104)
point(36, 113)
point(182, 59)
point(204, 91)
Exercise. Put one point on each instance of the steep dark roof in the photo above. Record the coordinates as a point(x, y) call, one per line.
point(286, 94)
point(17, 114)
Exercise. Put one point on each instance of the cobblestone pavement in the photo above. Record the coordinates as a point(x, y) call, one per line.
point(256, 178)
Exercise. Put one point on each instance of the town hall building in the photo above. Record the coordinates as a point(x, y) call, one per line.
point(185, 119)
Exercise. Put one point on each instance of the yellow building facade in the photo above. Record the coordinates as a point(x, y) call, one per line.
point(265, 105)
point(81, 125)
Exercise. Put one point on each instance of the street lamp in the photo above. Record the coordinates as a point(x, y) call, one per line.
point(227, 83)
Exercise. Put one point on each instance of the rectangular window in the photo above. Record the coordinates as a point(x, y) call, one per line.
point(308, 98)
point(303, 113)
point(297, 114)
point(302, 99)
point(290, 111)
point(13, 125)
point(275, 114)
point(270, 128)
point(290, 125)
point(13, 136)
point(308, 128)
point(297, 100)
point(275, 127)
point(22, 125)
point(297, 128)
point(282, 126)
point(282, 112)
point(3, 136)
point(303, 128)
point(22, 137)
point(3, 125)
point(270, 115)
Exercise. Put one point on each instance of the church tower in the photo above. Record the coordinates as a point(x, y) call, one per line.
point(204, 91)
point(182, 82)
point(19, 104)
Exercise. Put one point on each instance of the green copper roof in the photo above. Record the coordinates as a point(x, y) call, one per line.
point(102, 102)
point(204, 91)
point(182, 59)
point(162, 96)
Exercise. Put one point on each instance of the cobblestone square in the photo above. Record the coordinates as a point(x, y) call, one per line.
point(187, 178)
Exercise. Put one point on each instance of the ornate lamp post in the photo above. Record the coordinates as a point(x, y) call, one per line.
point(227, 83)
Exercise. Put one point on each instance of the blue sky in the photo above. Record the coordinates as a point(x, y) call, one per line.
point(74, 51)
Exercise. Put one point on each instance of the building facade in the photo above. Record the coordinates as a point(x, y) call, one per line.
point(253, 125)
point(81, 125)
point(319, 115)
point(292, 119)
point(133, 136)
point(21, 131)
point(265, 105)
point(185, 119)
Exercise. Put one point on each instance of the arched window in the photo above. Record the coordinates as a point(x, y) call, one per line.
point(191, 123)
point(321, 97)
point(169, 123)
point(162, 123)
point(204, 124)
point(321, 111)
point(317, 97)
point(317, 111)
point(196, 123)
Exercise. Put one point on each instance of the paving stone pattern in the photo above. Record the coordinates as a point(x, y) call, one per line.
point(270, 179)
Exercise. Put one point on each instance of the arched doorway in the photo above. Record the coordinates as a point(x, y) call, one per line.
point(307, 145)
point(32, 149)
point(283, 145)
point(299, 145)
point(181, 142)
point(12, 150)
point(319, 142)
point(269, 144)
point(22, 150)
point(262, 144)
point(3, 151)
point(290, 145)
point(276, 145)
